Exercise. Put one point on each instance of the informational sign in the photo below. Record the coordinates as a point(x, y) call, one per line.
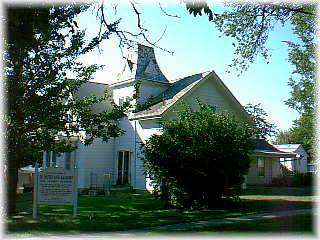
point(56, 187)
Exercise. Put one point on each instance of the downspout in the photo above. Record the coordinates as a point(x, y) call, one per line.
point(75, 164)
point(135, 153)
point(114, 161)
point(271, 172)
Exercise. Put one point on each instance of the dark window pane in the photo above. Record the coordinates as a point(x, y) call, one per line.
point(261, 167)
point(126, 167)
point(54, 159)
point(47, 163)
point(120, 163)
point(67, 160)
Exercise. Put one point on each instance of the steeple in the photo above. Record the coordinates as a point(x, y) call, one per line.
point(147, 66)
point(142, 65)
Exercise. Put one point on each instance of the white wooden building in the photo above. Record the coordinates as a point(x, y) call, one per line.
point(121, 157)
point(299, 164)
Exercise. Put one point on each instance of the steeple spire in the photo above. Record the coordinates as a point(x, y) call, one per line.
point(147, 66)
point(143, 65)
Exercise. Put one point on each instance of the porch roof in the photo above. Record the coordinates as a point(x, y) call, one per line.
point(277, 154)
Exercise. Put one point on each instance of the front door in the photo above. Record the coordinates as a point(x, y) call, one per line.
point(123, 167)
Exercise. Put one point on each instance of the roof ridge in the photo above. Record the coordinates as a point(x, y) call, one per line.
point(180, 78)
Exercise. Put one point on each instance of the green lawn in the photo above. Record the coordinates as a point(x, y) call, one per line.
point(130, 210)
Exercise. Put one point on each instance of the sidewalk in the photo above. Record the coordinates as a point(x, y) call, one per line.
point(172, 228)
point(213, 222)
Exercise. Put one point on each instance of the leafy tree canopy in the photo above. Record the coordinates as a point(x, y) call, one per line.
point(249, 25)
point(200, 157)
point(264, 128)
point(43, 71)
point(300, 133)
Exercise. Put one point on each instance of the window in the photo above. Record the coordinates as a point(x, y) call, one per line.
point(51, 159)
point(67, 164)
point(123, 167)
point(121, 101)
point(54, 159)
point(261, 167)
point(124, 100)
point(48, 158)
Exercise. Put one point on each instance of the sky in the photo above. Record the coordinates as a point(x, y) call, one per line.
point(198, 46)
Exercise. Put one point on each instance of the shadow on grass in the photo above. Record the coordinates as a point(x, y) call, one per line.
point(124, 211)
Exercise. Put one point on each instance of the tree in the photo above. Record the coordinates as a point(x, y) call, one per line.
point(284, 137)
point(249, 25)
point(43, 71)
point(298, 133)
point(263, 127)
point(303, 131)
point(200, 157)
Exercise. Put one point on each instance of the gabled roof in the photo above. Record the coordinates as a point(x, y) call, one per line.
point(179, 88)
point(170, 96)
point(263, 148)
point(262, 144)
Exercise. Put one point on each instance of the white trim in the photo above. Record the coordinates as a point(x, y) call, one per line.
point(134, 80)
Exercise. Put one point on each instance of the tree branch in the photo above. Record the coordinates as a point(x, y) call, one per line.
point(299, 10)
point(167, 14)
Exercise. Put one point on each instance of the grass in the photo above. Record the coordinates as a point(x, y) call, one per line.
point(132, 210)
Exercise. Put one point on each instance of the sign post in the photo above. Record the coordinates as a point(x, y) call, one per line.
point(75, 192)
point(35, 192)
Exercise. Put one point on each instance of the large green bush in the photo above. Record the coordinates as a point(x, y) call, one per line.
point(200, 158)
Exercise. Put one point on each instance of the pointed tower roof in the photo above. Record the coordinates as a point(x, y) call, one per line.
point(142, 64)
point(147, 66)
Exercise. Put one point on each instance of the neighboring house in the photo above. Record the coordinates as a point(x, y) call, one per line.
point(122, 157)
point(25, 178)
point(265, 163)
point(299, 164)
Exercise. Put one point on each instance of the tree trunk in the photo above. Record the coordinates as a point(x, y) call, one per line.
point(164, 192)
point(12, 181)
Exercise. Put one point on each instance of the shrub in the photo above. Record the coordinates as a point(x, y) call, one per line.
point(282, 181)
point(200, 158)
point(302, 179)
point(295, 180)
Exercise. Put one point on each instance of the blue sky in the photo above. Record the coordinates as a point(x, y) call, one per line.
point(197, 48)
